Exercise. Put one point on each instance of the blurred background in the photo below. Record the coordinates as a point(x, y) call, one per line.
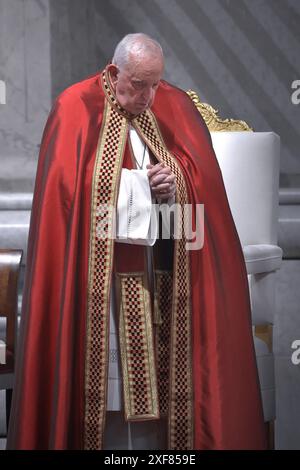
point(240, 56)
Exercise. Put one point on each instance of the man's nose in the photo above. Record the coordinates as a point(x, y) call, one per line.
point(148, 94)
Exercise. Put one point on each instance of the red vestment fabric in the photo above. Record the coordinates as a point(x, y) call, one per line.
point(48, 401)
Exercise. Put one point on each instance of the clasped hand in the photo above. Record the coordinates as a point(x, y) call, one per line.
point(162, 181)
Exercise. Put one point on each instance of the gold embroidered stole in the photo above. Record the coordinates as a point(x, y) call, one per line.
point(137, 347)
point(106, 178)
point(174, 355)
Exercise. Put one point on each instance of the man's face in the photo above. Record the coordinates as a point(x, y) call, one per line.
point(135, 85)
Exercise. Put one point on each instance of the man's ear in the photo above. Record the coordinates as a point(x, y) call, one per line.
point(113, 72)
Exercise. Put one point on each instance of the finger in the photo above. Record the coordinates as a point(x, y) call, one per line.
point(158, 183)
point(159, 168)
point(158, 179)
point(155, 169)
point(166, 170)
point(164, 196)
point(161, 187)
point(162, 178)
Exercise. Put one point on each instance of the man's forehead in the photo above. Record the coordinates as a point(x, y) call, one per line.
point(142, 77)
point(144, 72)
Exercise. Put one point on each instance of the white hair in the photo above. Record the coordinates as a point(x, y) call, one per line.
point(137, 44)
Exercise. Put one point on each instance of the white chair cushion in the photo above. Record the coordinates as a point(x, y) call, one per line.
point(262, 258)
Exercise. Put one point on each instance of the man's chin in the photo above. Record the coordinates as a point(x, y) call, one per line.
point(140, 109)
point(137, 108)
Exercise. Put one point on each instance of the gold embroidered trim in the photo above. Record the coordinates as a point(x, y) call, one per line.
point(106, 177)
point(137, 351)
point(181, 430)
point(164, 296)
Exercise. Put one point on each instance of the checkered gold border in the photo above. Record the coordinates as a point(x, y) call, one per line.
point(181, 385)
point(164, 289)
point(106, 177)
point(137, 349)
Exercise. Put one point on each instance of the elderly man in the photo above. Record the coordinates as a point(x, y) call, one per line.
point(182, 312)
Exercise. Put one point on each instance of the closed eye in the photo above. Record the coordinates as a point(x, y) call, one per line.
point(138, 85)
